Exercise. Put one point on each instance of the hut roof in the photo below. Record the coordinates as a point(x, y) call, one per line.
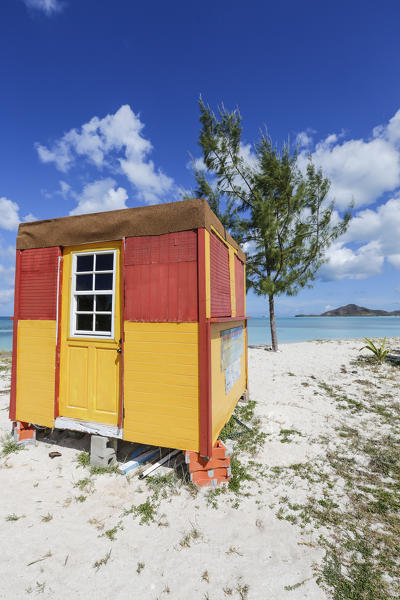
point(116, 224)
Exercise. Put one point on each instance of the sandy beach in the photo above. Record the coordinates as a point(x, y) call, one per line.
point(324, 412)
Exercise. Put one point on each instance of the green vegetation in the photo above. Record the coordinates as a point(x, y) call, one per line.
point(102, 470)
point(83, 459)
point(47, 518)
point(379, 352)
point(268, 203)
point(9, 445)
point(145, 511)
point(354, 493)
point(140, 567)
point(102, 561)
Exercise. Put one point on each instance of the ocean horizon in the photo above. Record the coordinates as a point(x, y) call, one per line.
point(289, 329)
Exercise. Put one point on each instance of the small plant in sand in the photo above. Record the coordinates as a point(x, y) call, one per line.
point(140, 567)
point(14, 517)
point(193, 534)
point(47, 518)
point(380, 352)
point(102, 561)
point(102, 470)
point(9, 445)
point(146, 511)
point(111, 533)
point(83, 459)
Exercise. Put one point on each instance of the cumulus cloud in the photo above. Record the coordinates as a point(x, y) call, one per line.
point(372, 237)
point(6, 297)
point(9, 217)
point(360, 170)
point(7, 275)
point(343, 262)
point(114, 142)
point(9, 214)
point(100, 196)
point(49, 7)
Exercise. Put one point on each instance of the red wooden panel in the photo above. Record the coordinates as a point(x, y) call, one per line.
point(38, 286)
point(13, 391)
point(239, 287)
point(160, 274)
point(205, 395)
point(219, 278)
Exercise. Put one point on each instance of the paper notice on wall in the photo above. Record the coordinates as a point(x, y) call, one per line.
point(231, 355)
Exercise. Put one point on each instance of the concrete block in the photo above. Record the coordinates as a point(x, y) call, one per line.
point(100, 454)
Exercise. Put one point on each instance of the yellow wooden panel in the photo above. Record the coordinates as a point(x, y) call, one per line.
point(161, 397)
point(232, 280)
point(78, 393)
point(106, 394)
point(90, 367)
point(223, 404)
point(36, 372)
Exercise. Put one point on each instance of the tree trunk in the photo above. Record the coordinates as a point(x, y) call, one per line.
point(272, 323)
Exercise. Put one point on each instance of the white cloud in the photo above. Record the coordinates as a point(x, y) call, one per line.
point(9, 218)
point(8, 253)
point(9, 214)
point(98, 196)
point(360, 170)
point(343, 262)
point(377, 235)
point(6, 297)
point(7, 275)
point(114, 142)
point(49, 7)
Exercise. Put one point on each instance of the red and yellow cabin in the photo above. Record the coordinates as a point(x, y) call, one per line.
point(130, 324)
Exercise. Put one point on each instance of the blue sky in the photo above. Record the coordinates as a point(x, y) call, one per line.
point(99, 111)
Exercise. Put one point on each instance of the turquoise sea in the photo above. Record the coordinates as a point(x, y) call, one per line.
point(290, 329)
point(300, 329)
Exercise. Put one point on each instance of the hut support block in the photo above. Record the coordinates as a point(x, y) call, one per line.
point(24, 433)
point(101, 455)
point(209, 472)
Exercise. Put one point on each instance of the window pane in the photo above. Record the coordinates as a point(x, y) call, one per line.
point(104, 262)
point(104, 303)
point(104, 281)
point(84, 263)
point(84, 322)
point(103, 323)
point(84, 282)
point(84, 303)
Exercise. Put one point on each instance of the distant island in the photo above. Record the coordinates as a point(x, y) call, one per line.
point(352, 310)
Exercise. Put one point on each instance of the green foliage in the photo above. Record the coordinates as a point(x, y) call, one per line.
point(380, 352)
point(267, 203)
point(146, 511)
point(102, 470)
point(9, 446)
point(83, 459)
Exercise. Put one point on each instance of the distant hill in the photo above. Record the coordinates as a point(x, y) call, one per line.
point(352, 310)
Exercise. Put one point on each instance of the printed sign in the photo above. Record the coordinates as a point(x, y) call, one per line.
point(231, 355)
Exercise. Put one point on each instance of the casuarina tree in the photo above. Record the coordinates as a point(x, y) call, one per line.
point(280, 215)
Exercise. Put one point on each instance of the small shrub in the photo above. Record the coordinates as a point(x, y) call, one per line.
point(83, 459)
point(380, 352)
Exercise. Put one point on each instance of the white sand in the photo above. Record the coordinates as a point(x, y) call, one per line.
point(266, 553)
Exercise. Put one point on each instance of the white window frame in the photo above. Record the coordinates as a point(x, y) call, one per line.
point(74, 293)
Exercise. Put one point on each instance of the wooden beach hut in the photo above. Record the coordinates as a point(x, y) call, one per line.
point(130, 324)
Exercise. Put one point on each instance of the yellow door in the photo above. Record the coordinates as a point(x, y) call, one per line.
point(90, 333)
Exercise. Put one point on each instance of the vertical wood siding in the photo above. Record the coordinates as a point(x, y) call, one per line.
point(35, 372)
point(240, 287)
point(161, 381)
point(161, 278)
point(38, 286)
point(220, 280)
